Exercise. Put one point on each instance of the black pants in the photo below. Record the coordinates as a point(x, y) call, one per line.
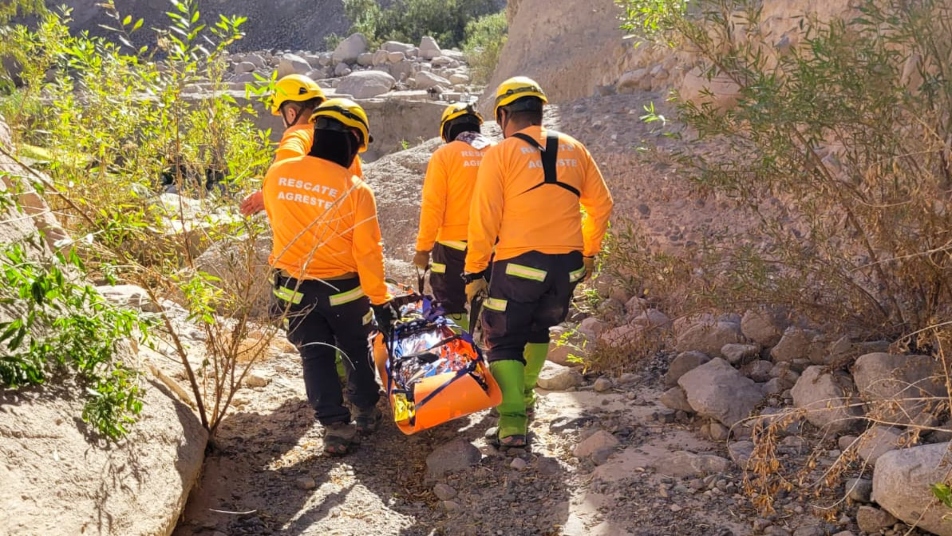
point(446, 278)
point(323, 317)
point(528, 295)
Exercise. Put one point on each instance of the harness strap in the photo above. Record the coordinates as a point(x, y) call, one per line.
point(550, 156)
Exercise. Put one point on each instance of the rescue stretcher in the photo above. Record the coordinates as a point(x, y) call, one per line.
point(431, 369)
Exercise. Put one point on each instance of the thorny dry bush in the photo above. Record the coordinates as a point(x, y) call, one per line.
point(837, 140)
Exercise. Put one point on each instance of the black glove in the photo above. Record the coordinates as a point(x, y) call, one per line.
point(385, 316)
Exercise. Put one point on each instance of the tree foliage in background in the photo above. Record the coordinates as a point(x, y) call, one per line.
point(485, 38)
point(410, 20)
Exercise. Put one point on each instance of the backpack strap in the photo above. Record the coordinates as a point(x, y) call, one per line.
point(550, 156)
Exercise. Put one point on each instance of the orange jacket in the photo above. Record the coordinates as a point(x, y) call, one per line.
point(447, 193)
point(324, 221)
point(297, 141)
point(545, 219)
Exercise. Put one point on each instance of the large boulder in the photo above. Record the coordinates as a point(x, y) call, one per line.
point(429, 49)
point(682, 364)
point(763, 326)
point(396, 46)
point(427, 80)
point(366, 84)
point(135, 487)
point(902, 389)
point(718, 391)
point(902, 481)
point(800, 344)
point(709, 337)
point(292, 64)
point(350, 49)
point(823, 396)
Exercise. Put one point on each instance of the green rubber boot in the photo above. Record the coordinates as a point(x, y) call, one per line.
point(511, 377)
point(535, 355)
point(462, 320)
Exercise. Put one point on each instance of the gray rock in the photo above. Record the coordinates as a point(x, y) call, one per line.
point(451, 506)
point(901, 485)
point(683, 464)
point(130, 296)
point(601, 456)
point(798, 343)
point(718, 391)
point(872, 520)
point(597, 441)
point(622, 336)
point(681, 365)
point(349, 49)
point(444, 492)
point(859, 489)
point(366, 84)
point(718, 432)
point(380, 57)
point(456, 455)
point(342, 70)
point(650, 318)
point(291, 64)
point(810, 530)
point(254, 380)
point(365, 59)
point(741, 451)
point(592, 327)
point(709, 337)
point(245, 67)
point(257, 60)
point(759, 370)
point(675, 399)
point(558, 378)
point(306, 483)
point(429, 49)
point(738, 354)
point(459, 79)
point(763, 327)
point(823, 396)
point(846, 442)
point(774, 386)
point(876, 441)
point(603, 385)
point(903, 389)
point(519, 464)
point(396, 46)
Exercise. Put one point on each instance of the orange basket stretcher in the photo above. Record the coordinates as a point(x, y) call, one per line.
point(432, 370)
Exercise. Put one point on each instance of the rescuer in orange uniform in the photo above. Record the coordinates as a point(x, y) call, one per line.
point(295, 99)
point(526, 209)
point(329, 268)
point(444, 212)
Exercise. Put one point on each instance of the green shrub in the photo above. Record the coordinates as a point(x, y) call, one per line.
point(65, 326)
point(485, 38)
point(410, 20)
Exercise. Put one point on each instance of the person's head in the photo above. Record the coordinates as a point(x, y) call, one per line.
point(519, 104)
point(341, 130)
point(295, 99)
point(458, 118)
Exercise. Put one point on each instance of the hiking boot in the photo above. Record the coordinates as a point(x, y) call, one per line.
point(368, 420)
point(339, 439)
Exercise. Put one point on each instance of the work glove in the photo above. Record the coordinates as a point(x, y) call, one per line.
point(476, 284)
point(589, 263)
point(422, 260)
point(252, 204)
point(385, 316)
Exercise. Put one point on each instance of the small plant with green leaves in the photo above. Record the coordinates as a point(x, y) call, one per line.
point(66, 327)
point(485, 39)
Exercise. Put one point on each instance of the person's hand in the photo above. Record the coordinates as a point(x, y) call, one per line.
point(252, 204)
point(385, 315)
point(476, 286)
point(422, 260)
point(589, 263)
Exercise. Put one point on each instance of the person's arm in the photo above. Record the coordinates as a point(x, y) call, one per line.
point(485, 213)
point(598, 203)
point(433, 205)
point(368, 247)
point(293, 145)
